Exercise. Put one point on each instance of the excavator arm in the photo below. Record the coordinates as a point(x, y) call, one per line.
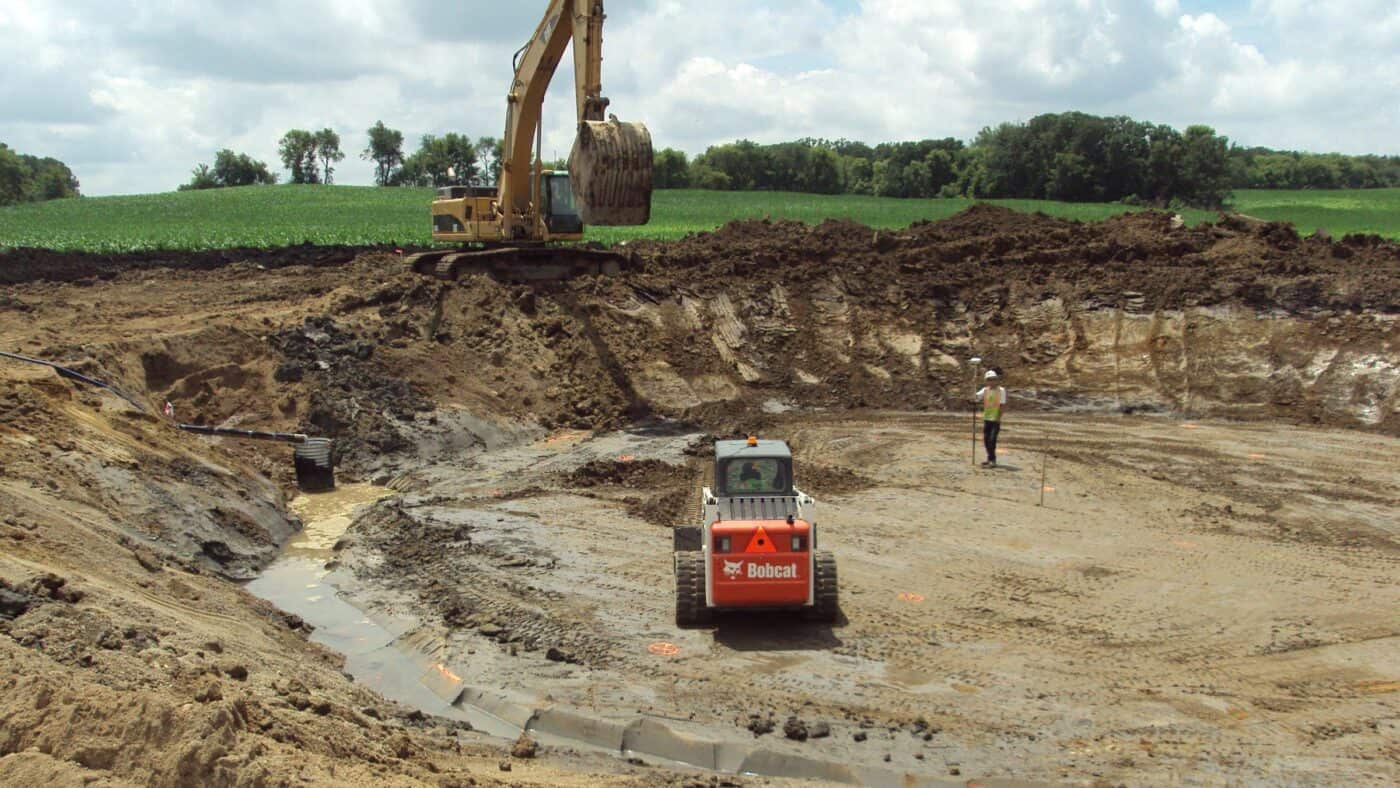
point(611, 162)
point(521, 229)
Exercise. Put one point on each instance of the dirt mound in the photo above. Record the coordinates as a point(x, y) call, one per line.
point(667, 509)
point(725, 329)
point(641, 474)
point(831, 480)
point(716, 328)
point(986, 246)
point(656, 491)
point(1127, 313)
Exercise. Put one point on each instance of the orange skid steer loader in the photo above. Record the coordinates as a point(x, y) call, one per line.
point(756, 547)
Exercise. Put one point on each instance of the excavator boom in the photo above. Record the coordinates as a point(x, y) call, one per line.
point(611, 162)
point(609, 181)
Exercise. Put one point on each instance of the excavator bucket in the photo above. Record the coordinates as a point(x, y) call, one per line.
point(610, 170)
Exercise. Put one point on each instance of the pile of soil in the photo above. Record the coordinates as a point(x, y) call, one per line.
point(1130, 314)
point(667, 509)
point(831, 480)
point(655, 491)
point(638, 474)
point(992, 249)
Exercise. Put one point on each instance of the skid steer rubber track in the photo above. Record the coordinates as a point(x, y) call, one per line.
point(824, 587)
point(688, 536)
point(690, 590)
point(314, 465)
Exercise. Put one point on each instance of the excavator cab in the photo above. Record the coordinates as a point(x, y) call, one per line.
point(557, 196)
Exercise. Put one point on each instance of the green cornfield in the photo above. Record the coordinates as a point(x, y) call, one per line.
point(269, 216)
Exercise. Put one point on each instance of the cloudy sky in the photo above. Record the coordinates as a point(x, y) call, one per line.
point(132, 93)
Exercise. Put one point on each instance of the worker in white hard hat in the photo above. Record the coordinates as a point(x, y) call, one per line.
point(993, 399)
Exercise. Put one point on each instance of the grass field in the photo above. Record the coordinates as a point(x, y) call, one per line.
point(356, 215)
point(1340, 212)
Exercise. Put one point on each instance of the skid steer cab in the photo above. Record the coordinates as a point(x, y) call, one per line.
point(756, 545)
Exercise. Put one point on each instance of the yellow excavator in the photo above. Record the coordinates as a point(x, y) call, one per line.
point(515, 230)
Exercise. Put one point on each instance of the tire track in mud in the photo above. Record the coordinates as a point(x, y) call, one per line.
point(499, 602)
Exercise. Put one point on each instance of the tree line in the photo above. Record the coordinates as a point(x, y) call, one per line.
point(1072, 157)
point(25, 178)
point(1261, 168)
point(309, 157)
point(439, 161)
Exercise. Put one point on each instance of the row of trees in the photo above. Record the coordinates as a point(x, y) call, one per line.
point(1261, 168)
point(439, 161)
point(1071, 156)
point(25, 178)
point(310, 157)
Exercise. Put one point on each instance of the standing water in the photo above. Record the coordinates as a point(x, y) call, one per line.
point(301, 581)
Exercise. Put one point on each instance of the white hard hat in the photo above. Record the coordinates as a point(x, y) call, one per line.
point(991, 374)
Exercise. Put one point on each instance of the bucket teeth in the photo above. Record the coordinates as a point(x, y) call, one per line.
point(610, 171)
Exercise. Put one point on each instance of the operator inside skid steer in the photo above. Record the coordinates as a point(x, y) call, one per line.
point(755, 476)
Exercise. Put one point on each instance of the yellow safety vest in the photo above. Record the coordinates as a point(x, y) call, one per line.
point(991, 404)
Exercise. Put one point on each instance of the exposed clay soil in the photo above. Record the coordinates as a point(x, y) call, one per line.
point(132, 656)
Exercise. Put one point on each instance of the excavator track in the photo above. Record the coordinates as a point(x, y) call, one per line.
point(520, 263)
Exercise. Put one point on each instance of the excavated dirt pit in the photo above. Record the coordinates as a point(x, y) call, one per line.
point(1209, 592)
point(1198, 598)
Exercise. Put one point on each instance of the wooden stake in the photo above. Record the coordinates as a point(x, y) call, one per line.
point(1044, 460)
point(976, 366)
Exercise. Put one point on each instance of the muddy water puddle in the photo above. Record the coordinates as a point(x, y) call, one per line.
point(375, 648)
point(326, 516)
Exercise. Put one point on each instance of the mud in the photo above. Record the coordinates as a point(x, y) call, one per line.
point(1139, 622)
point(1209, 593)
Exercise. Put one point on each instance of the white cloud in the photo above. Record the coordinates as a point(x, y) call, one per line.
point(133, 94)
